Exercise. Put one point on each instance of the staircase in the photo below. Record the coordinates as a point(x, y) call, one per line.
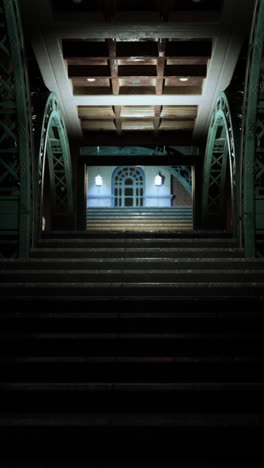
point(139, 219)
point(132, 348)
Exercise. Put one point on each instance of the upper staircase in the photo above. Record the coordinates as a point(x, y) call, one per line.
point(139, 219)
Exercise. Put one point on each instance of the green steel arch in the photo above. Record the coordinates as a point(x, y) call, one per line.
point(15, 136)
point(53, 147)
point(252, 152)
point(222, 149)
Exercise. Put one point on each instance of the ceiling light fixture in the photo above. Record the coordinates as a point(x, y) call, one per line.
point(184, 78)
point(90, 79)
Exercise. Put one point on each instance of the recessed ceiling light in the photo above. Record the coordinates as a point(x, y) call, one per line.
point(90, 79)
point(184, 78)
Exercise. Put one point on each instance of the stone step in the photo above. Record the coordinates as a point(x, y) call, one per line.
point(205, 234)
point(135, 227)
point(131, 291)
point(137, 372)
point(138, 214)
point(125, 420)
point(132, 276)
point(171, 210)
point(169, 242)
point(123, 262)
point(154, 396)
point(134, 252)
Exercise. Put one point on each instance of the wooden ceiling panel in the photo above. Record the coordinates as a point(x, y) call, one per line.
point(141, 68)
point(138, 124)
point(99, 125)
point(138, 90)
point(137, 81)
point(92, 90)
point(177, 81)
point(176, 125)
point(83, 81)
point(137, 60)
point(96, 112)
point(182, 90)
point(137, 111)
point(183, 112)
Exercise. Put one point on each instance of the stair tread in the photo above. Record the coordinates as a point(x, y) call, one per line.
point(132, 386)
point(129, 419)
point(133, 359)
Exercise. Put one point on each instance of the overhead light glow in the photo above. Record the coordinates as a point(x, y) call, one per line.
point(91, 79)
point(184, 78)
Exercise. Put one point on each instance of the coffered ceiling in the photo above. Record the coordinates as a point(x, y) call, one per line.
point(137, 69)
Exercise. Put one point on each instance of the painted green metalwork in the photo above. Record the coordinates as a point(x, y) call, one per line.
point(52, 144)
point(222, 148)
point(183, 174)
point(15, 134)
point(252, 154)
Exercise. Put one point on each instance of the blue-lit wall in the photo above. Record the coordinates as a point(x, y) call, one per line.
point(153, 196)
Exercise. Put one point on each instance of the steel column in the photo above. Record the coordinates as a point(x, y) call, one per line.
point(16, 132)
point(252, 154)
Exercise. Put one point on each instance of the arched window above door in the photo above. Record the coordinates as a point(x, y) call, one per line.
point(128, 187)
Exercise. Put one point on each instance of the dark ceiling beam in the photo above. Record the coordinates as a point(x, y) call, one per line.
point(135, 70)
point(113, 65)
point(185, 70)
point(157, 119)
point(149, 49)
point(142, 138)
point(165, 8)
point(160, 66)
point(118, 120)
point(188, 160)
point(109, 9)
point(92, 70)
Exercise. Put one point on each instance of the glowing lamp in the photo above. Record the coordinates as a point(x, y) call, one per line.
point(158, 180)
point(98, 180)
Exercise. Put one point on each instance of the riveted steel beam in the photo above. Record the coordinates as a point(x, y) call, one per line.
point(52, 146)
point(252, 154)
point(15, 134)
point(222, 154)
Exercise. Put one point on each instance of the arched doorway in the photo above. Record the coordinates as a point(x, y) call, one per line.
point(128, 187)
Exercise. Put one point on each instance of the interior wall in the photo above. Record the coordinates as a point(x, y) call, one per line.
point(153, 196)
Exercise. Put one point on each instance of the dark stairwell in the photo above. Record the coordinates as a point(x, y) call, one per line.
point(132, 348)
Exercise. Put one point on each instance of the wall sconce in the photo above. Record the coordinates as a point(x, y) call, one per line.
point(158, 180)
point(98, 180)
